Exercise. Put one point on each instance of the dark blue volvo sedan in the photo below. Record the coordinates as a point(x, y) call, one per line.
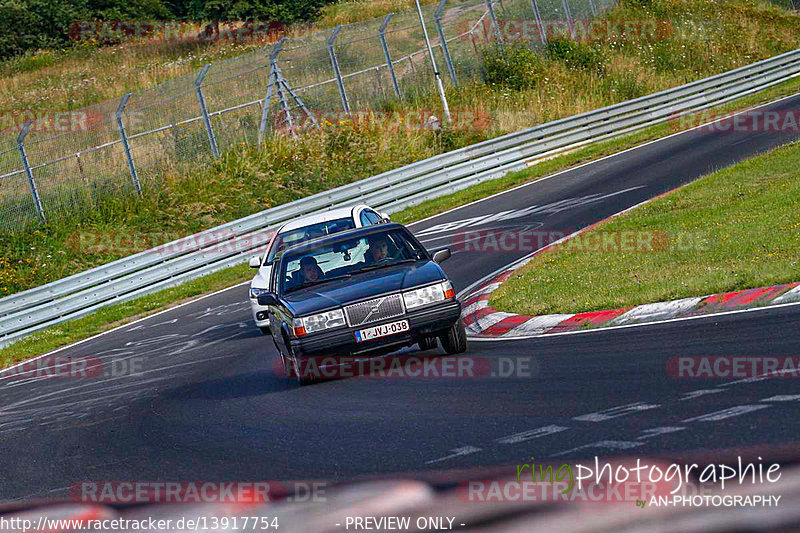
point(367, 291)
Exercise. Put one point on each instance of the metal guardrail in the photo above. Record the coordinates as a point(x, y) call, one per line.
point(200, 254)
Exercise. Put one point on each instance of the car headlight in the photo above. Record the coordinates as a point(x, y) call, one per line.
point(428, 295)
point(256, 292)
point(319, 322)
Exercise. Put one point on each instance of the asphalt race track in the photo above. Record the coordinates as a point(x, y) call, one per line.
point(191, 393)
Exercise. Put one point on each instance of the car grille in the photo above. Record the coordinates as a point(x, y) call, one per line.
point(374, 310)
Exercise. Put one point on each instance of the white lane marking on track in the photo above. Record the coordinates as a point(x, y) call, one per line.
point(616, 412)
point(531, 434)
point(783, 398)
point(603, 445)
point(457, 452)
point(730, 412)
point(654, 432)
point(697, 393)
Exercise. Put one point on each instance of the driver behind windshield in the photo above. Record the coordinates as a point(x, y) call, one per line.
point(309, 270)
point(378, 249)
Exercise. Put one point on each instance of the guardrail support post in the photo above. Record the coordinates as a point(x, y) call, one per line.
point(382, 37)
point(335, 65)
point(437, 19)
point(124, 137)
point(212, 141)
point(23, 155)
point(272, 81)
point(539, 23)
point(495, 25)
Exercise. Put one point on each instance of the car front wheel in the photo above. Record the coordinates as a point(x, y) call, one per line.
point(454, 340)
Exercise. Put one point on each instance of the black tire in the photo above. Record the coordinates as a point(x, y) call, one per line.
point(265, 331)
point(428, 343)
point(454, 340)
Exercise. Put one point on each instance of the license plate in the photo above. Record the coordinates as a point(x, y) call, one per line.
point(383, 330)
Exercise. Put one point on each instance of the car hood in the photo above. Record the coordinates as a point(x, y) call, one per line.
point(362, 286)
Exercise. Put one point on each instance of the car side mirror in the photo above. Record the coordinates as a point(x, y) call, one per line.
point(255, 262)
point(268, 298)
point(385, 217)
point(440, 256)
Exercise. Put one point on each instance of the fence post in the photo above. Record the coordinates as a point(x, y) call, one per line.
point(382, 37)
point(124, 137)
point(335, 65)
point(272, 78)
point(568, 14)
point(439, 86)
point(539, 24)
point(495, 25)
point(28, 172)
point(437, 19)
point(594, 7)
point(212, 141)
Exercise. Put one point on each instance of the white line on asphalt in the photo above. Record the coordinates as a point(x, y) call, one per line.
point(730, 412)
point(457, 452)
point(530, 434)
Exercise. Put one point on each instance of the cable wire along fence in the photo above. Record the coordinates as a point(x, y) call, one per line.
point(118, 148)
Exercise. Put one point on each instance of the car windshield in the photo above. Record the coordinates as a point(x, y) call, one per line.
point(286, 240)
point(346, 257)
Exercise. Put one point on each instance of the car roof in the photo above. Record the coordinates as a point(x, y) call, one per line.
point(316, 218)
point(356, 233)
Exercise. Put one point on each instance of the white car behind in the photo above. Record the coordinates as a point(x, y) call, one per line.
point(296, 232)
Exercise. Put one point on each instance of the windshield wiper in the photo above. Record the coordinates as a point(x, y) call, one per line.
point(317, 282)
point(382, 265)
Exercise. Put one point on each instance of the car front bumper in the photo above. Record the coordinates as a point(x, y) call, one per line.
point(259, 311)
point(342, 342)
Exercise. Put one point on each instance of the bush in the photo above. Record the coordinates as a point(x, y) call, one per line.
point(577, 56)
point(517, 68)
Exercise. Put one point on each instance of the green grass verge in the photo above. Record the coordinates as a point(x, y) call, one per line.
point(734, 229)
point(113, 316)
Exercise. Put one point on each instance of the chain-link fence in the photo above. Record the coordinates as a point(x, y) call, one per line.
point(118, 148)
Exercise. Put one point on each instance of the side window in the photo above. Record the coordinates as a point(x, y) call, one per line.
point(366, 220)
point(372, 216)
